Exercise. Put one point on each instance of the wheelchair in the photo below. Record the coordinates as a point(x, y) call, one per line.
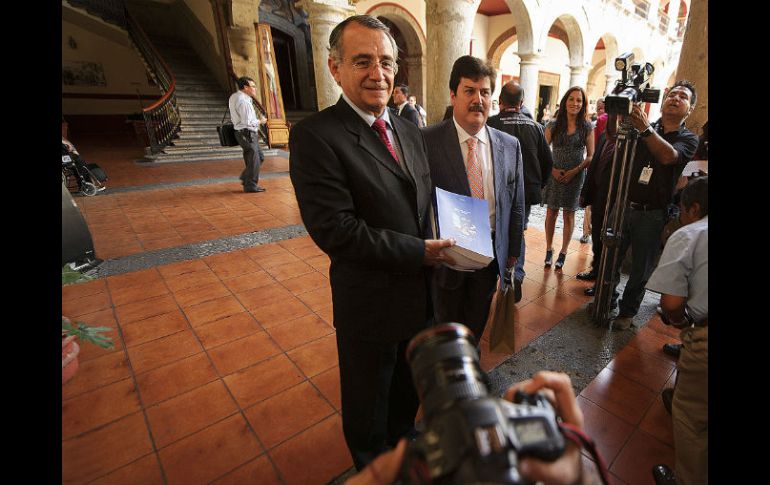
point(78, 176)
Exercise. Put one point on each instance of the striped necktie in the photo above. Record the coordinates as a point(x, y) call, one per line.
point(474, 170)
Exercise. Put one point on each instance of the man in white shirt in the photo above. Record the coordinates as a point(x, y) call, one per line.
point(246, 125)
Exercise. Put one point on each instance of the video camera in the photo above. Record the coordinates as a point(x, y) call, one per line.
point(633, 87)
point(471, 437)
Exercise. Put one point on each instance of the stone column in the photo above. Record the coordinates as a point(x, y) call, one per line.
point(242, 38)
point(610, 85)
point(449, 27)
point(529, 69)
point(578, 76)
point(416, 78)
point(323, 16)
point(694, 62)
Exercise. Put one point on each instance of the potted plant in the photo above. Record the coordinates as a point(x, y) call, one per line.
point(78, 330)
point(70, 349)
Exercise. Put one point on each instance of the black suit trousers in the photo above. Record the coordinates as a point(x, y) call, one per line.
point(379, 401)
point(467, 298)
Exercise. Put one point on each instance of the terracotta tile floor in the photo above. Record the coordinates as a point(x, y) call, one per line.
point(224, 369)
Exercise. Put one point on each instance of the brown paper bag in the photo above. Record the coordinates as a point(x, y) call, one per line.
point(501, 339)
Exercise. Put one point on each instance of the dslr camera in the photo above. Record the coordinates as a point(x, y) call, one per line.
point(471, 437)
point(632, 87)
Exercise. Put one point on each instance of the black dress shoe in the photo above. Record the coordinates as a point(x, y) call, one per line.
point(663, 475)
point(548, 258)
point(672, 349)
point(668, 398)
point(254, 190)
point(516, 290)
point(586, 276)
point(560, 260)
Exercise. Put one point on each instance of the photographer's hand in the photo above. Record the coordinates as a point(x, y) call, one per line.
point(567, 470)
point(383, 470)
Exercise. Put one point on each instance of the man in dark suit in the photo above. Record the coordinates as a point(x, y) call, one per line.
point(403, 108)
point(467, 157)
point(363, 186)
point(538, 160)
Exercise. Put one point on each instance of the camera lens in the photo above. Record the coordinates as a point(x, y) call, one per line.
point(445, 367)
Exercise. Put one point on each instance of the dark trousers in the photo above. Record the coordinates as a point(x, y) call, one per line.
point(379, 401)
point(597, 219)
point(641, 232)
point(466, 297)
point(518, 270)
point(252, 157)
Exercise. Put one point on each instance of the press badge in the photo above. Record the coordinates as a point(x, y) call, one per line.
point(644, 178)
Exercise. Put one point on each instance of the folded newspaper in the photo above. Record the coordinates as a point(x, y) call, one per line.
point(466, 220)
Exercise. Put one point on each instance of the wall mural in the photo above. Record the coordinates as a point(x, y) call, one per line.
point(82, 73)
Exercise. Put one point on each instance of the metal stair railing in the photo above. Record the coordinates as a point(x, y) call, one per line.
point(161, 119)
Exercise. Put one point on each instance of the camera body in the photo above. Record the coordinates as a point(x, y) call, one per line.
point(471, 437)
point(632, 87)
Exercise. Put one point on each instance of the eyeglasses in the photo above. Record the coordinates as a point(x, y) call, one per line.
point(387, 65)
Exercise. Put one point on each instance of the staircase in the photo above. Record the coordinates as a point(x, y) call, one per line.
point(201, 104)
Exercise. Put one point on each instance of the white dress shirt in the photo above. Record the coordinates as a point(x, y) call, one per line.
point(242, 112)
point(484, 154)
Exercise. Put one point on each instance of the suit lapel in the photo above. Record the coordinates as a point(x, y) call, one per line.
point(454, 158)
point(367, 138)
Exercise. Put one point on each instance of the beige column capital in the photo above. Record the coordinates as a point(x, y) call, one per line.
point(323, 16)
point(448, 32)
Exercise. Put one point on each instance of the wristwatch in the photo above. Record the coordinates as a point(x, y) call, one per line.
point(647, 132)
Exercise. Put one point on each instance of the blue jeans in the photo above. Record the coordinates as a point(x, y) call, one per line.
point(518, 269)
point(641, 231)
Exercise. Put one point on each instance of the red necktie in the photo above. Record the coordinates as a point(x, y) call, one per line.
point(474, 170)
point(379, 127)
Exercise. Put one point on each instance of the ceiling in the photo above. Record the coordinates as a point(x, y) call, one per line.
point(493, 7)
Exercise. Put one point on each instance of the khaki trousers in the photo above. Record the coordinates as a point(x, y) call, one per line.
point(690, 409)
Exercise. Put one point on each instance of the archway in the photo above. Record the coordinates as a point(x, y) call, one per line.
point(411, 42)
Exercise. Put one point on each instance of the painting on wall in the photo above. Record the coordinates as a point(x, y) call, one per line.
point(82, 73)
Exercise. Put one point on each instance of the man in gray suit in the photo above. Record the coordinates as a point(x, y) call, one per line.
point(468, 157)
point(363, 187)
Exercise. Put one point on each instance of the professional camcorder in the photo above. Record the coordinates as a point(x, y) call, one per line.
point(632, 87)
point(469, 436)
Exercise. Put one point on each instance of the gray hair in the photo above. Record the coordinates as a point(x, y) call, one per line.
point(335, 39)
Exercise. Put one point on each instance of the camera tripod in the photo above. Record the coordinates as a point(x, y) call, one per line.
point(608, 275)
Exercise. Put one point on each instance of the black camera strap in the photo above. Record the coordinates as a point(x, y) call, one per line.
point(579, 437)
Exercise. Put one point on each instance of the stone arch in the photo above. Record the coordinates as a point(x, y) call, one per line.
point(500, 44)
point(522, 27)
point(575, 23)
point(606, 67)
point(416, 44)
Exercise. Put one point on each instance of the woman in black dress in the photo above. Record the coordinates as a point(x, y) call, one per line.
point(572, 141)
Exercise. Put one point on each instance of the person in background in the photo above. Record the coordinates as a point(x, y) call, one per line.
point(420, 109)
point(403, 108)
point(573, 146)
point(246, 125)
point(536, 154)
point(599, 127)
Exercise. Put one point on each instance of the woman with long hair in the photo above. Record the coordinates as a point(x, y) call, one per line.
point(572, 141)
